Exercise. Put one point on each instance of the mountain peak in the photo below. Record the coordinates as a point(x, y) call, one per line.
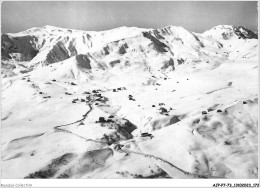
point(228, 31)
point(173, 27)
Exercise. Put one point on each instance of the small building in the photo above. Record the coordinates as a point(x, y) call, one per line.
point(147, 135)
point(101, 119)
point(81, 123)
point(163, 110)
point(204, 112)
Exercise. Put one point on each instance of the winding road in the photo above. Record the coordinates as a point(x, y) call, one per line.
point(192, 175)
point(59, 129)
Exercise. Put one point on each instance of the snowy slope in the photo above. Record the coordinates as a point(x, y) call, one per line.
point(130, 103)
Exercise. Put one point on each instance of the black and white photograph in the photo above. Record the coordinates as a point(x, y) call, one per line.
point(129, 90)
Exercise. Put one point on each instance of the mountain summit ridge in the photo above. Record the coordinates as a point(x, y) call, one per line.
point(41, 46)
point(121, 27)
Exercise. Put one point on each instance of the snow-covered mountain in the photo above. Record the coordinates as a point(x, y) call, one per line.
point(130, 103)
point(48, 45)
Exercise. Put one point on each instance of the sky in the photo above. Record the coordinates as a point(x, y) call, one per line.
point(196, 16)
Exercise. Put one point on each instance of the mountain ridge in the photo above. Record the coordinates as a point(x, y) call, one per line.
point(42, 46)
point(80, 30)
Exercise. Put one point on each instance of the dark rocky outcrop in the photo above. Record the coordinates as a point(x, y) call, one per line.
point(113, 63)
point(83, 61)
point(25, 46)
point(158, 45)
point(169, 63)
point(58, 53)
point(245, 33)
point(180, 61)
point(122, 49)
